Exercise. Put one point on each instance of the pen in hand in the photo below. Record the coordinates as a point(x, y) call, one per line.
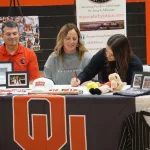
point(75, 81)
point(75, 75)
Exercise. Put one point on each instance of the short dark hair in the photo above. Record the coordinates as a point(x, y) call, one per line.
point(10, 24)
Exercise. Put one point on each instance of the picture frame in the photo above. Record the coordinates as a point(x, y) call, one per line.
point(137, 79)
point(5, 66)
point(17, 79)
point(29, 30)
point(146, 81)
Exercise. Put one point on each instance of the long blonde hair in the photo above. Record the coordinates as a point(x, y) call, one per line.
point(60, 38)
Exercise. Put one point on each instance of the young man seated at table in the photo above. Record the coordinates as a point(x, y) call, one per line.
point(24, 59)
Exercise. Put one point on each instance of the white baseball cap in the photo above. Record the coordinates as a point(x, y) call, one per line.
point(42, 85)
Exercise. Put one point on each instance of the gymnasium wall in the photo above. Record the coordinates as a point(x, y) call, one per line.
point(54, 16)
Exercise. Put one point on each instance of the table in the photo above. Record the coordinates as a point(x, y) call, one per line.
point(81, 122)
point(146, 68)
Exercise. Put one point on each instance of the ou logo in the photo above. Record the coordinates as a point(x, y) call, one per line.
point(39, 139)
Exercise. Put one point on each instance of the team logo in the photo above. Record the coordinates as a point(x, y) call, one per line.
point(22, 61)
point(99, 1)
point(46, 130)
point(40, 83)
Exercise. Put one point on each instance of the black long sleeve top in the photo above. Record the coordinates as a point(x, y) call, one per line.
point(98, 64)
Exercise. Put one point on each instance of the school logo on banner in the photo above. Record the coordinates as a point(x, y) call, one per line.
point(39, 122)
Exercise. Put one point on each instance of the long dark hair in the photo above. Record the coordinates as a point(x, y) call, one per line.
point(122, 52)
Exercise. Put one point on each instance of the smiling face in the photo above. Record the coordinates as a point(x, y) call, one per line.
point(10, 36)
point(70, 42)
point(109, 54)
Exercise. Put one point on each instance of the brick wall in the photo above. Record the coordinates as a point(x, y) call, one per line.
point(136, 32)
point(52, 18)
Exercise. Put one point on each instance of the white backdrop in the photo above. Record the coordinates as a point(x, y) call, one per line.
point(98, 21)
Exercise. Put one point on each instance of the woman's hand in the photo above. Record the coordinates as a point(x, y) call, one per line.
point(85, 83)
point(75, 82)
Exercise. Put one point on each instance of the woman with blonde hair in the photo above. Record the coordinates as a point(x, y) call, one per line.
point(69, 58)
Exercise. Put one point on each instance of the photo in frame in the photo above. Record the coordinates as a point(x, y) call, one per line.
point(146, 81)
point(5, 67)
point(17, 80)
point(140, 85)
point(137, 79)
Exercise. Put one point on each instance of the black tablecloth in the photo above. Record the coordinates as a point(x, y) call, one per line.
point(103, 117)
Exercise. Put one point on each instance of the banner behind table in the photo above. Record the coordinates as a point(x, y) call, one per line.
point(100, 19)
point(62, 123)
